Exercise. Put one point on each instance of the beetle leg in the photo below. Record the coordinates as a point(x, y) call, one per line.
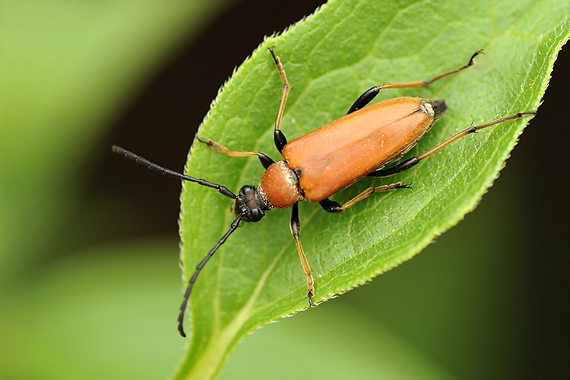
point(409, 163)
point(278, 136)
point(470, 130)
point(370, 94)
point(335, 207)
point(266, 161)
point(295, 230)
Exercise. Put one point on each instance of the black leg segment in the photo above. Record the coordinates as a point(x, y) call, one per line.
point(401, 167)
point(280, 140)
point(370, 94)
point(364, 99)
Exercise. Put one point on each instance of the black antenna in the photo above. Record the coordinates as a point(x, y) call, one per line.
point(170, 173)
point(233, 227)
point(222, 189)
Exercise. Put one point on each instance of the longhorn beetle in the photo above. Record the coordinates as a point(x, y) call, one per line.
point(325, 161)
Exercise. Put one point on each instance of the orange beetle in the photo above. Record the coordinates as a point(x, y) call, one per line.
point(327, 160)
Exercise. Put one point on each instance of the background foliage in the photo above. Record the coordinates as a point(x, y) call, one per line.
point(81, 298)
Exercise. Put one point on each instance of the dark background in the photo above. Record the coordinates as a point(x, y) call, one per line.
point(162, 120)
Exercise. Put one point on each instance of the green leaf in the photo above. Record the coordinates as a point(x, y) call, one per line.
point(330, 59)
point(370, 351)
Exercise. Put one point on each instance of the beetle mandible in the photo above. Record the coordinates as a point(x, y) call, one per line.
point(325, 161)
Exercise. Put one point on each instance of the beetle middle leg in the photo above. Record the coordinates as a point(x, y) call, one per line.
point(335, 207)
point(370, 94)
point(295, 230)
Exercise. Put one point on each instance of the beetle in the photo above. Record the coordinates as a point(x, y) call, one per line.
point(323, 162)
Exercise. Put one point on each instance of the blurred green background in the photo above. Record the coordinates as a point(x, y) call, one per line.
point(89, 278)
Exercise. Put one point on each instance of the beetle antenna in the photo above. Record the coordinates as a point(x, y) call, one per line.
point(233, 227)
point(170, 173)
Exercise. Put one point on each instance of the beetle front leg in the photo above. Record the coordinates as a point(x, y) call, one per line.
point(295, 230)
point(335, 207)
point(265, 160)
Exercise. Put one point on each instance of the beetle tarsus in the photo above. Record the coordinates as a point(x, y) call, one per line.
point(400, 186)
point(472, 60)
point(272, 53)
point(207, 142)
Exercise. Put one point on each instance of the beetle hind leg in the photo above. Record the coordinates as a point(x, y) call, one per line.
point(413, 161)
point(335, 207)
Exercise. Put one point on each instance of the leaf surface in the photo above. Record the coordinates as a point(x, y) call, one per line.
point(330, 59)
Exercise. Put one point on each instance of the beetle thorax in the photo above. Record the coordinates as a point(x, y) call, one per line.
point(279, 186)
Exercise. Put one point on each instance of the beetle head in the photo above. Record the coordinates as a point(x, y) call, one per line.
point(250, 204)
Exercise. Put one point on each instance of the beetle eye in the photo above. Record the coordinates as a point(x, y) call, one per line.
point(249, 204)
point(255, 214)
